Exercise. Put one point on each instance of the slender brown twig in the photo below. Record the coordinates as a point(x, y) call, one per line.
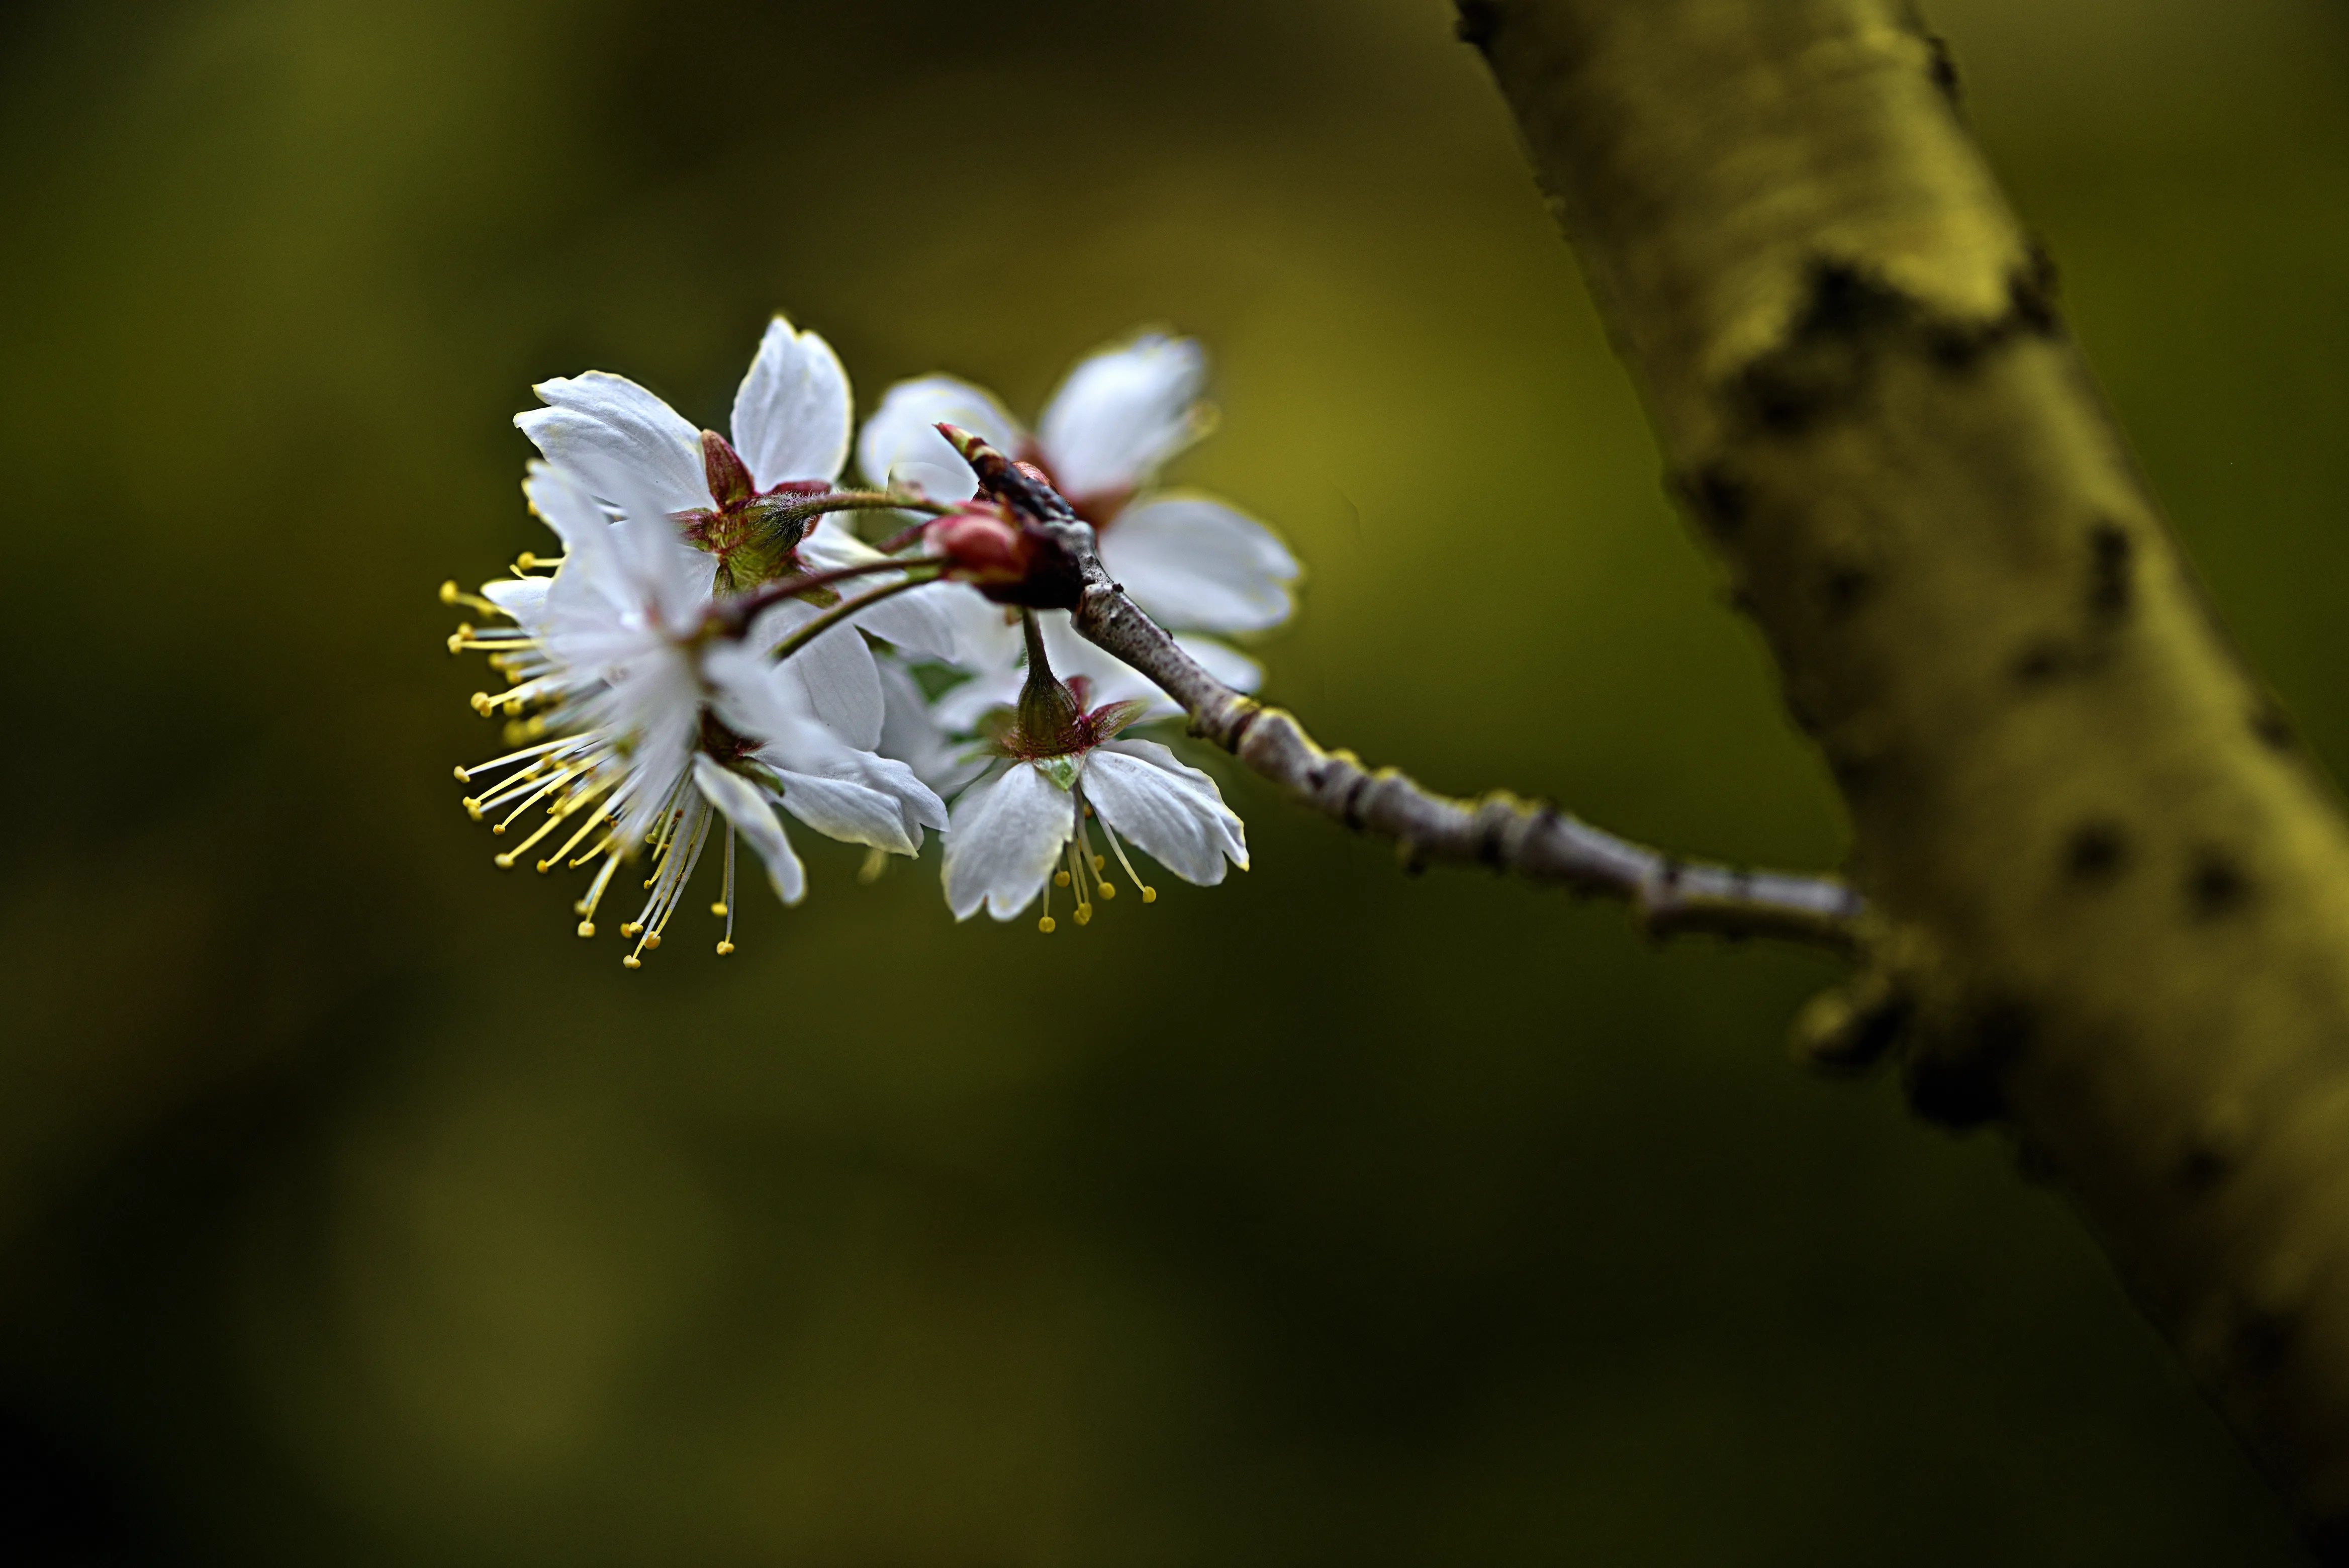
point(1665, 893)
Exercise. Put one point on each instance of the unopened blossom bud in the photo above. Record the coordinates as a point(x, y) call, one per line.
point(983, 545)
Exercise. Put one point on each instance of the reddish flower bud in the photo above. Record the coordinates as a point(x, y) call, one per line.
point(984, 545)
point(729, 478)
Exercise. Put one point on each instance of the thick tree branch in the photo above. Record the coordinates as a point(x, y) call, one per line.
point(1499, 830)
point(2109, 898)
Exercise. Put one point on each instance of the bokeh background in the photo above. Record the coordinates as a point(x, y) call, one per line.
point(353, 1210)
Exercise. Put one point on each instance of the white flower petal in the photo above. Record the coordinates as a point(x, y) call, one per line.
point(923, 620)
point(848, 812)
point(1007, 835)
point(835, 672)
point(613, 433)
point(900, 443)
point(754, 819)
point(1191, 561)
point(1123, 412)
point(523, 599)
point(562, 504)
point(792, 413)
point(1174, 812)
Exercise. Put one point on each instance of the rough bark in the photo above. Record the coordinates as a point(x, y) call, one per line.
point(2110, 897)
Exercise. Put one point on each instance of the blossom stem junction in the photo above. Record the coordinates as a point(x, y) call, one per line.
point(847, 607)
point(734, 615)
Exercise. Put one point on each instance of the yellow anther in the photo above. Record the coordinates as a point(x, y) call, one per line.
point(499, 828)
point(449, 592)
point(1100, 861)
point(482, 704)
point(544, 866)
point(1045, 925)
point(1084, 914)
point(525, 561)
point(473, 808)
point(632, 961)
point(725, 948)
point(513, 709)
point(505, 861)
point(631, 928)
point(457, 640)
point(464, 778)
point(1150, 895)
point(653, 941)
point(1106, 891)
point(586, 927)
point(718, 909)
point(1060, 878)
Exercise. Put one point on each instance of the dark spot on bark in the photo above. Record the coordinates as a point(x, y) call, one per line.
point(1854, 771)
point(1718, 497)
point(2272, 729)
point(1490, 848)
point(2031, 295)
point(2202, 1167)
point(1954, 1095)
point(1845, 587)
point(1954, 1082)
point(2263, 1336)
point(1826, 362)
point(2216, 886)
point(1844, 302)
point(2111, 577)
point(1668, 874)
point(2041, 662)
point(1353, 799)
point(1943, 67)
point(1955, 349)
point(1477, 22)
point(2096, 852)
point(1240, 730)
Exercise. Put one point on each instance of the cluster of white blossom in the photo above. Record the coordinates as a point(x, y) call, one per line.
point(716, 641)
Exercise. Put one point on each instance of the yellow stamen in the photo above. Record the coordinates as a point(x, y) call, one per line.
point(585, 829)
point(1149, 893)
point(1045, 925)
point(586, 927)
point(725, 948)
point(450, 594)
point(1060, 878)
point(586, 906)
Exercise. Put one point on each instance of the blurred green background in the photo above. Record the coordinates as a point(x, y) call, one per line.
point(353, 1210)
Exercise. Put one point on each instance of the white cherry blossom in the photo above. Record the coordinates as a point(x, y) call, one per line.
point(1026, 826)
point(732, 497)
point(1193, 562)
point(660, 729)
